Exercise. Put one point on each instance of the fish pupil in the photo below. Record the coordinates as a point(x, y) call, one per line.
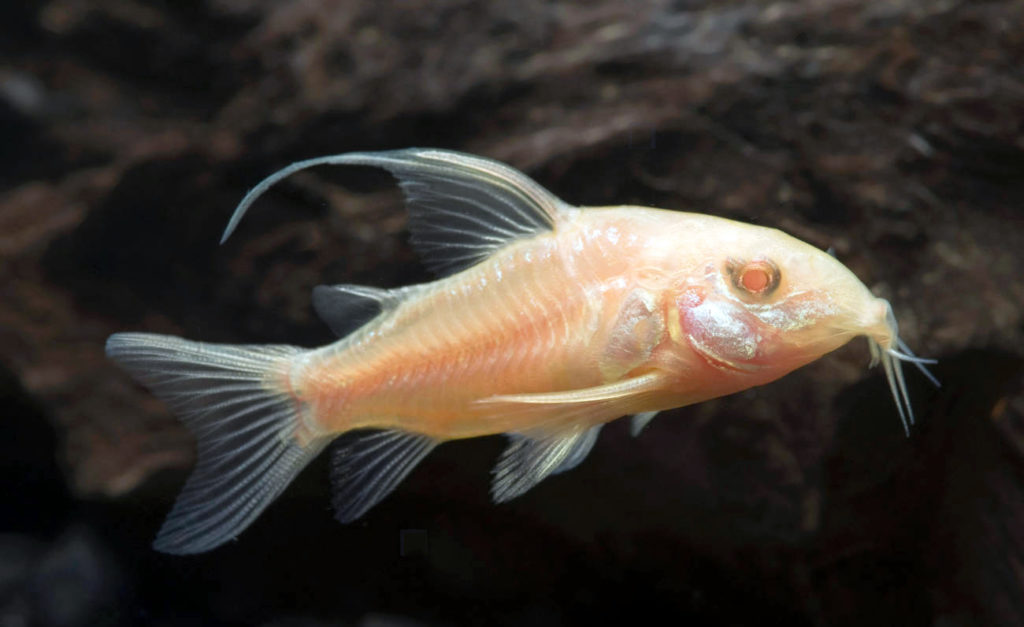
point(755, 279)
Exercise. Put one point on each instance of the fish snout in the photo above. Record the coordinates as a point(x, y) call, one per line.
point(881, 326)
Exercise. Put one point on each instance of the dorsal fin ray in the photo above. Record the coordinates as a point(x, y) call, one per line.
point(462, 208)
point(345, 308)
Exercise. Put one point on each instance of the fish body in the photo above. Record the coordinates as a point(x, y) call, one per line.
point(595, 302)
point(548, 321)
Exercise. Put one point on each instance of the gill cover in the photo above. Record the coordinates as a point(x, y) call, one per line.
point(722, 331)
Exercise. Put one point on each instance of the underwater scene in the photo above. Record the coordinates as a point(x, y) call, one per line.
point(402, 314)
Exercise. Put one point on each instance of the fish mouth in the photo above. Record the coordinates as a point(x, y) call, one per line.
point(888, 349)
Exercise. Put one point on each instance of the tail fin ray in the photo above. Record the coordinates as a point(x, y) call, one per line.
point(233, 399)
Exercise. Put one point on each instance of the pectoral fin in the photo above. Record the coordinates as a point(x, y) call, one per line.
point(639, 421)
point(530, 458)
point(627, 388)
point(562, 443)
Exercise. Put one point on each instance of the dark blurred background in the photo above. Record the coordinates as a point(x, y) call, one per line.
point(892, 132)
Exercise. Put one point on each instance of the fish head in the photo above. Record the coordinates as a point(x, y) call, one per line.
point(767, 303)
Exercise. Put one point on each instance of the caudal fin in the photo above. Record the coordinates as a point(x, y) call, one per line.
point(235, 400)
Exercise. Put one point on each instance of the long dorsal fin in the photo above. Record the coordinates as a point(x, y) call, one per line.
point(345, 308)
point(461, 208)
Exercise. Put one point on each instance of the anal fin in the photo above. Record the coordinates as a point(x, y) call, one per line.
point(366, 467)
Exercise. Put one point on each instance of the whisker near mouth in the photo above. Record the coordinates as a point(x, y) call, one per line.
point(894, 375)
point(908, 355)
point(892, 365)
point(892, 359)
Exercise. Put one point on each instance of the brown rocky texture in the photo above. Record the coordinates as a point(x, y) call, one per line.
point(892, 132)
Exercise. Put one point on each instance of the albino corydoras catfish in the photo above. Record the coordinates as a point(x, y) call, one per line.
point(549, 321)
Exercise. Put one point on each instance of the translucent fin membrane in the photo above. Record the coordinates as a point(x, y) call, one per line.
point(244, 423)
point(462, 208)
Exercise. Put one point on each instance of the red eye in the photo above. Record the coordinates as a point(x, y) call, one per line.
point(756, 277)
